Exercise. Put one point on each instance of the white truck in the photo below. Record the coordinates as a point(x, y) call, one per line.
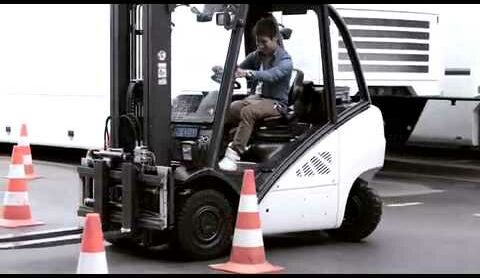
point(420, 62)
point(54, 71)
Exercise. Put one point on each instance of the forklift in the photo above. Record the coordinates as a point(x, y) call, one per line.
point(157, 180)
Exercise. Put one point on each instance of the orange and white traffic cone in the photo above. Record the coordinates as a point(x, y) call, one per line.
point(93, 259)
point(16, 208)
point(248, 254)
point(16, 169)
point(27, 157)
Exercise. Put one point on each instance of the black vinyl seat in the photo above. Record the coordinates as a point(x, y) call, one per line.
point(279, 128)
point(296, 85)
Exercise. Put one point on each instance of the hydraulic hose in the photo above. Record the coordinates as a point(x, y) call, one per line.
point(133, 128)
point(106, 134)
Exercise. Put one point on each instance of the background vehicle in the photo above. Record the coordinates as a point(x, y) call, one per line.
point(420, 63)
point(435, 107)
point(157, 181)
point(54, 73)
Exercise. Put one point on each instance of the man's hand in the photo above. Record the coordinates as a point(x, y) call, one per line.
point(240, 73)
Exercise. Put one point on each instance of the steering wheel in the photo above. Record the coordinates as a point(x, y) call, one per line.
point(236, 85)
point(217, 77)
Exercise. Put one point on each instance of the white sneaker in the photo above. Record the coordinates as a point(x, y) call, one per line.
point(228, 163)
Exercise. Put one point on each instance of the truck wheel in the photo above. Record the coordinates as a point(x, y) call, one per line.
point(204, 226)
point(362, 214)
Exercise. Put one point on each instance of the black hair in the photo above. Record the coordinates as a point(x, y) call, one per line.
point(266, 27)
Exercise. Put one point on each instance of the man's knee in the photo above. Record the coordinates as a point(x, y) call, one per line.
point(236, 107)
point(248, 113)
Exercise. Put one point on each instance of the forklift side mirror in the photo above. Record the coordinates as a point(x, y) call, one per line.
point(195, 10)
point(201, 17)
point(286, 33)
point(224, 19)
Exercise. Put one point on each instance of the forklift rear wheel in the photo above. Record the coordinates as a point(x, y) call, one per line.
point(204, 226)
point(362, 214)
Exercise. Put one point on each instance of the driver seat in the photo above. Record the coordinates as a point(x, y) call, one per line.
point(277, 128)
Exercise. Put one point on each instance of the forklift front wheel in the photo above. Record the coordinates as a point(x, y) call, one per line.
point(124, 243)
point(204, 226)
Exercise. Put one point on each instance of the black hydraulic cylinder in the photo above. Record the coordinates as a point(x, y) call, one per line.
point(129, 196)
point(101, 188)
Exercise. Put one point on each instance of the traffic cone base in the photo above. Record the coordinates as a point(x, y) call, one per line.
point(92, 263)
point(247, 255)
point(16, 210)
point(25, 177)
point(265, 267)
point(9, 223)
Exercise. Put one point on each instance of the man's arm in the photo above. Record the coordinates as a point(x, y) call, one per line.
point(276, 73)
point(249, 62)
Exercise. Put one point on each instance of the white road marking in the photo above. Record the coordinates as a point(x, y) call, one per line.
point(476, 214)
point(404, 204)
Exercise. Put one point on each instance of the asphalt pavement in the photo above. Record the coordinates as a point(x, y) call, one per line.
point(429, 225)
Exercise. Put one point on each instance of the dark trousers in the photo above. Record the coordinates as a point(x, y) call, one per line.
point(246, 113)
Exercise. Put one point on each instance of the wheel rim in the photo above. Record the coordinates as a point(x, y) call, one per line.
point(208, 224)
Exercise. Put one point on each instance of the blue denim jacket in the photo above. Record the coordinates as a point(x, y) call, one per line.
point(275, 76)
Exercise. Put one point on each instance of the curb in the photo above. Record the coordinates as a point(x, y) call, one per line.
point(432, 169)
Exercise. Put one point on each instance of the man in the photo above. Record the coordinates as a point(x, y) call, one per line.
point(269, 68)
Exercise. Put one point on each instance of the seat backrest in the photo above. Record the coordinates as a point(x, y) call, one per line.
point(309, 105)
point(296, 84)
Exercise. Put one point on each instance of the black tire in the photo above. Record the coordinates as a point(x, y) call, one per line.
point(204, 226)
point(362, 214)
point(124, 243)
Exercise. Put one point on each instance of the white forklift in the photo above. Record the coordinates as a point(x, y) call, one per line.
point(157, 180)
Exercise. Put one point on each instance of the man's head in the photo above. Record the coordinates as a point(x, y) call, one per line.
point(266, 35)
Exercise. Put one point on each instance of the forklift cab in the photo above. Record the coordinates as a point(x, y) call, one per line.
point(172, 80)
point(199, 105)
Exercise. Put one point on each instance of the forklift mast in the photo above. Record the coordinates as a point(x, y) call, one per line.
point(141, 79)
point(147, 26)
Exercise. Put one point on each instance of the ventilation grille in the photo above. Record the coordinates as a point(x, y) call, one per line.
point(388, 45)
point(319, 164)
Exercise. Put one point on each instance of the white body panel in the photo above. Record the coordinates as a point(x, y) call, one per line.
point(362, 148)
point(305, 196)
point(92, 263)
point(312, 193)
